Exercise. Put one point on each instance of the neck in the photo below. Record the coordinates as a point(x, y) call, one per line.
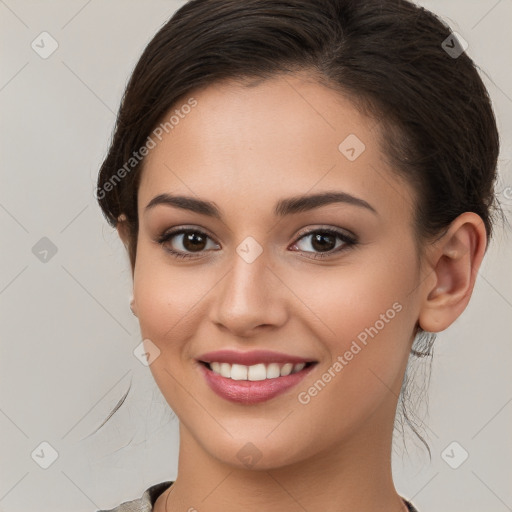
point(354, 476)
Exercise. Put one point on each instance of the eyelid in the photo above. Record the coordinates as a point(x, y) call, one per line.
point(302, 232)
point(175, 230)
point(338, 231)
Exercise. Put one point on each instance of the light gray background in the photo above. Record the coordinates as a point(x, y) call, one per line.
point(67, 332)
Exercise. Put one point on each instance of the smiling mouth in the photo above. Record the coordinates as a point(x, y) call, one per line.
point(256, 372)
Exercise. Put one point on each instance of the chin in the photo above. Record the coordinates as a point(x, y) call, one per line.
point(256, 451)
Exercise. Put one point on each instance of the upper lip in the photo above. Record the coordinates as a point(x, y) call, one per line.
point(250, 358)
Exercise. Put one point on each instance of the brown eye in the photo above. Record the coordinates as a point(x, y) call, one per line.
point(325, 242)
point(192, 241)
point(184, 241)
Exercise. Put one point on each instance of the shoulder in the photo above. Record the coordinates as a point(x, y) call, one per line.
point(145, 502)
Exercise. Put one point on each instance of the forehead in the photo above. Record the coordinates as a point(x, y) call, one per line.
point(283, 137)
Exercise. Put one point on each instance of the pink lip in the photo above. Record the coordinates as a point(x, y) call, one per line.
point(251, 392)
point(250, 358)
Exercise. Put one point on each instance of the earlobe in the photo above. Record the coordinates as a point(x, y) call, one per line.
point(132, 307)
point(455, 261)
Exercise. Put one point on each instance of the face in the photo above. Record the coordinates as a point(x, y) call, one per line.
point(334, 284)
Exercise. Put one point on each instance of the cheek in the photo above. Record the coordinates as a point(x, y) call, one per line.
point(351, 299)
point(168, 300)
point(370, 324)
point(366, 318)
point(165, 297)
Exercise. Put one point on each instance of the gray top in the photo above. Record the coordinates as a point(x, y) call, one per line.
point(147, 500)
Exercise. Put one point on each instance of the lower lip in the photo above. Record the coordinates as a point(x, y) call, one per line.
point(251, 392)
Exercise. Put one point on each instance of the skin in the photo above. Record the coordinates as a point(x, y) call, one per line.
point(244, 149)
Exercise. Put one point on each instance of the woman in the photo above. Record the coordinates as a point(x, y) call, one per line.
point(305, 191)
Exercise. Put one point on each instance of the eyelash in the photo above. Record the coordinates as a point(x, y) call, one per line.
point(348, 241)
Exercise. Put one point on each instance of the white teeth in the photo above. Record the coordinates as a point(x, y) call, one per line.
point(286, 369)
point(255, 372)
point(225, 370)
point(238, 372)
point(273, 371)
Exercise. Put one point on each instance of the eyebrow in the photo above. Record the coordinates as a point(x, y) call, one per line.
point(283, 207)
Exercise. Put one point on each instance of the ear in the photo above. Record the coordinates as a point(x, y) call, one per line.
point(122, 230)
point(453, 264)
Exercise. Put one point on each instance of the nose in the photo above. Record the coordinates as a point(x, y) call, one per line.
point(250, 297)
